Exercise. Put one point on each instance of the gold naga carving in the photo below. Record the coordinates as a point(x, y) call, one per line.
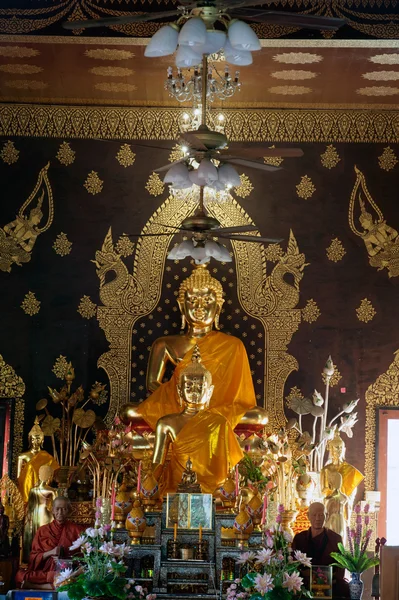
point(381, 240)
point(384, 392)
point(13, 387)
point(18, 238)
point(266, 297)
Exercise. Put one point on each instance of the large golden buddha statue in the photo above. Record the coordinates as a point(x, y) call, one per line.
point(200, 301)
point(29, 462)
point(196, 434)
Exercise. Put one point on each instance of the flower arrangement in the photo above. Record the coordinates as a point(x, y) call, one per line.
point(355, 559)
point(271, 573)
point(101, 570)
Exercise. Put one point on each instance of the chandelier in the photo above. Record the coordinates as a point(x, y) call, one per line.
point(189, 88)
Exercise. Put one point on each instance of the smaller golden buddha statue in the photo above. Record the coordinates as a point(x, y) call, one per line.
point(336, 505)
point(189, 483)
point(29, 462)
point(197, 432)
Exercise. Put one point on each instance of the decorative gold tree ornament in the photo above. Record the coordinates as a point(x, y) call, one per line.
point(330, 157)
point(9, 154)
point(335, 378)
point(65, 154)
point(62, 245)
point(154, 185)
point(93, 183)
point(87, 309)
point(388, 160)
point(60, 367)
point(124, 246)
point(30, 304)
point(246, 187)
point(311, 312)
point(305, 188)
point(274, 161)
point(335, 251)
point(365, 311)
point(125, 156)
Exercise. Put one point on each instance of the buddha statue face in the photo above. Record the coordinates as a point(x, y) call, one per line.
point(195, 384)
point(36, 441)
point(200, 299)
point(337, 449)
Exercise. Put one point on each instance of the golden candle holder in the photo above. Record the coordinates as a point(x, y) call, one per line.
point(201, 552)
point(175, 549)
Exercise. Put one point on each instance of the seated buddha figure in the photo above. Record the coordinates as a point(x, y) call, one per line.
point(200, 300)
point(197, 433)
point(29, 462)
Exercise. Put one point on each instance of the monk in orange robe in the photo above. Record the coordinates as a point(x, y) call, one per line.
point(51, 541)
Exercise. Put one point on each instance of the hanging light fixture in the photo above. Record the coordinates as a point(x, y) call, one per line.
point(193, 33)
point(200, 250)
point(242, 36)
point(163, 42)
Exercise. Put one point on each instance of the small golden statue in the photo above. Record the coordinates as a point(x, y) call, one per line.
point(197, 432)
point(30, 462)
point(189, 483)
point(336, 505)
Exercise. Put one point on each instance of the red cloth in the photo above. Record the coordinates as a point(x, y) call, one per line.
point(41, 570)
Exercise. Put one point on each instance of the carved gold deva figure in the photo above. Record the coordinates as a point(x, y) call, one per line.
point(200, 301)
point(30, 462)
point(381, 240)
point(197, 433)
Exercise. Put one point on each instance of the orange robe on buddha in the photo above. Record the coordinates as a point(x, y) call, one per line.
point(42, 570)
point(29, 476)
point(233, 395)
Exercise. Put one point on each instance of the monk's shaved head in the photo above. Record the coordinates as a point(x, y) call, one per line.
point(317, 515)
point(61, 508)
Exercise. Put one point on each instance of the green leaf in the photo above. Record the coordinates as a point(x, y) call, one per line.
point(248, 580)
point(95, 588)
point(75, 591)
point(256, 596)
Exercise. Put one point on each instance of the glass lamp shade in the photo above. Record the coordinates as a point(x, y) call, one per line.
point(183, 185)
point(163, 42)
point(237, 57)
point(177, 174)
point(217, 251)
point(207, 172)
point(181, 251)
point(242, 37)
point(193, 33)
point(194, 177)
point(218, 186)
point(187, 57)
point(215, 41)
point(229, 176)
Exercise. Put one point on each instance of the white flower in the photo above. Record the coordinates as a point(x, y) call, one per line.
point(108, 548)
point(78, 543)
point(138, 589)
point(292, 582)
point(318, 399)
point(287, 536)
point(263, 556)
point(88, 548)
point(245, 557)
point(63, 576)
point(302, 558)
point(264, 583)
point(95, 532)
point(349, 407)
point(347, 422)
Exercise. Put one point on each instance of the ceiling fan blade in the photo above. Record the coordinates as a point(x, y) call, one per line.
point(236, 229)
point(138, 235)
point(123, 20)
point(250, 163)
point(167, 167)
point(251, 238)
point(191, 139)
point(261, 152)
point(291, 19)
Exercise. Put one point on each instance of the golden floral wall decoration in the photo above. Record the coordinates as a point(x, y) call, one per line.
point(388, 160)
point(335, 251)
point(334, 379)
point(378, 90)
point(13, 386)
point(30, 304)
point(19, 69)
point(125, 156)
point(176, 153)
point(305, 188)
point(93, 183)
point(298, 58)
point(246, 187)
point(18, 52)
point(65, 154)
point(365, 311)
point(62, 245)
point(290, 90)
point(295, 392)
point(385, 59)
point(381, 75)
point(60, 367)
point(77, 15)
point(330, 157)
point(109, 54)
point(311, 312)
point(124, 246)
point(113, 87)
point(26, 84)
point(87, 309)
point(9, 154)
point(111, 71)
point(155, 185)
point(294, 75)
point(274, 161)
point(273, 252)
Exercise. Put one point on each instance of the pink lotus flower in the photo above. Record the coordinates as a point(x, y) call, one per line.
point(302, 558)
point(264, 583)
point(263, 556)
point(292, 582)
point(245, 557)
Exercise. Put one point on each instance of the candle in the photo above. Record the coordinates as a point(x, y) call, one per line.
point(139, 478)
point(175, 532)
point(237, 482)
point(264, 509)
point(113, 495)
point(200, 533)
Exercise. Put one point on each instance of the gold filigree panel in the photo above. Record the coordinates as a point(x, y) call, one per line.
point(384, 392)
point(241, 125)
point(12, 386)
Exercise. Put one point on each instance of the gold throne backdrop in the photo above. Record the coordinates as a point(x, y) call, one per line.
point(342, 305)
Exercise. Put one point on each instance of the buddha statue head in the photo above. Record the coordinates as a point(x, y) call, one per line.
point(36, 436)
point(336, 448)
point(200, 300)
point(195, 384)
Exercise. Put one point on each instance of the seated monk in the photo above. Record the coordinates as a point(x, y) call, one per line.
point(51, 541)
point(197, 433)
point(318, 542)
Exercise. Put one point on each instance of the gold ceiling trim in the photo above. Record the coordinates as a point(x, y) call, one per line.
point(136, 41)
point(163, 124)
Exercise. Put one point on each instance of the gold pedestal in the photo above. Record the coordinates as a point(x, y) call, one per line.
point(287, 517)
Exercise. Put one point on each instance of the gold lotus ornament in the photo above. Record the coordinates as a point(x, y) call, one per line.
point(136, 523)
point(84, 418)
point(123, 505)
point(227, 492)
point(255, 508)
point(50, 425)
point(243, 526)
point(149, 491)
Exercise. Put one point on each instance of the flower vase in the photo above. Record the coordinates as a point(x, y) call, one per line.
point(355, 587)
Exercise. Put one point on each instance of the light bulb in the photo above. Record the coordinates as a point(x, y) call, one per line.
point(193, 33)
point(163, 42)
point(242, 37)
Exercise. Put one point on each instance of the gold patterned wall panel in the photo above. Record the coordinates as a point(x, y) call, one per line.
point(13, 387)
point(384, 392)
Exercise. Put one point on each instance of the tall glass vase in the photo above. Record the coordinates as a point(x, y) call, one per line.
point(355, 587)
